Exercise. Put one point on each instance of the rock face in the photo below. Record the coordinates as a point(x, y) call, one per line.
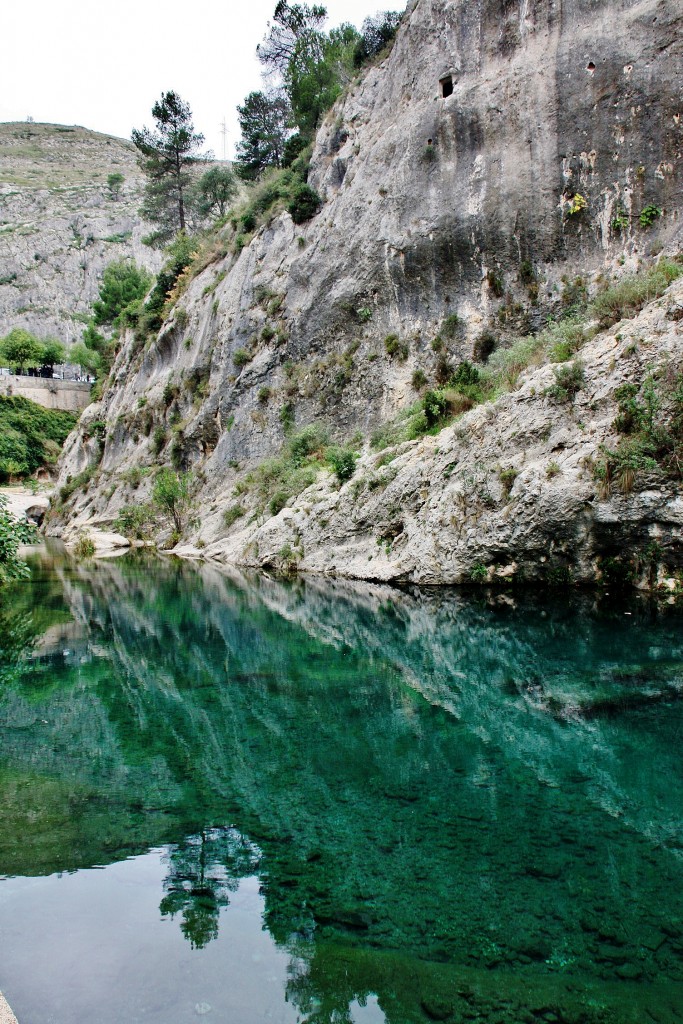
point(494, 165)
point(60, 224)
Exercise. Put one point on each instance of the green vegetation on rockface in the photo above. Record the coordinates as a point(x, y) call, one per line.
point(466, 385)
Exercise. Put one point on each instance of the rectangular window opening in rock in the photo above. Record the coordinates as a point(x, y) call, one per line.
point(446, 85)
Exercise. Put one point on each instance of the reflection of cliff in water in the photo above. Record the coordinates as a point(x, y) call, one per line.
point(414, 768)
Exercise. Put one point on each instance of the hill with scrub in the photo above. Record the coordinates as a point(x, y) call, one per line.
point(68, 207)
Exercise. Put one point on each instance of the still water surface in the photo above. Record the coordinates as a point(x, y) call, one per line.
point(243, 800)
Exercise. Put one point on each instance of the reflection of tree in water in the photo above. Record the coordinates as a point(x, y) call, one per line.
point(324, 987)
point(204, 870)
point(18, 636)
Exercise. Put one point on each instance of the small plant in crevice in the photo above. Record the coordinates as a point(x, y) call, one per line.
point(84, 546)
point(286, 416)
point(158, 440)
point(620, 221)
point(495, 283)
point(241, 357)
point(484, 346)
point(394, 346)
point(232, 514)
point(577, 204)
point(569, 380)
point(648, 215)
point(507, 479)
point(479, 573)
point(418, 380)
point(450, 326)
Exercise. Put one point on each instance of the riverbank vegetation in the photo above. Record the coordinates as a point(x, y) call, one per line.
point(12, 534)
point(31, 437)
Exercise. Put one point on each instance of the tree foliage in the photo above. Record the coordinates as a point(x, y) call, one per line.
point(20, 350)
point(263, 122)
point(309, 67)
point(122, 283)
point(172, 494)
point(215, 189)
point(376, 34)
point(115, 182)
point(12, 534)
point(166, 155)
point(292, 27)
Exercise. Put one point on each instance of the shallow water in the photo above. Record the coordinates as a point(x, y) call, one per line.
point(253, 800)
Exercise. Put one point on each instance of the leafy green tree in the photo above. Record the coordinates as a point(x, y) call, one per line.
point(172, 494)
point(312, 65)
point(87, 357)
point(165, 157)
point(52, 351)
point(376, 33)
point(20, 350)
point(215, 190)
point(114, 183)
point(263, 122)
point(122, 283)
point(292, 26)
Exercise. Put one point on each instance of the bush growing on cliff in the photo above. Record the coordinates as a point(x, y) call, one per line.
point(304, 203)
point(343, 462)
point(650, 420)
point(172, 495)
point(569, 380)
point(122, 283)
point(628, 296)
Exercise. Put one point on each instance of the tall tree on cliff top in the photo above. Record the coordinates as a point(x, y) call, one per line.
point(165, 157)
point(263, 122)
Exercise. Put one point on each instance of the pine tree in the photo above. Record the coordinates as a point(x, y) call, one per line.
point(263, 123)
point(165, 157)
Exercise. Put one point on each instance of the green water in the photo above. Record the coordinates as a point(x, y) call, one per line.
point(257, 800)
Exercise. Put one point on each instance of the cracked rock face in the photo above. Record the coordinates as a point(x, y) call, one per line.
point(495, 162)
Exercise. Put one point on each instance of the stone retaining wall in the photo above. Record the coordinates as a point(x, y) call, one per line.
point(67, 395)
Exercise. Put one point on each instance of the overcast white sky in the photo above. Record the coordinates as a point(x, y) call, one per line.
point(102, 65)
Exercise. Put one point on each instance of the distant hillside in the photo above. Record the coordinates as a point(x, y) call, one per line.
point(60, 224)
point(51, 156)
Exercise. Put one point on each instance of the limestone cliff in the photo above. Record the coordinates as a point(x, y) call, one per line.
point(500, 160)
point(60, 224)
